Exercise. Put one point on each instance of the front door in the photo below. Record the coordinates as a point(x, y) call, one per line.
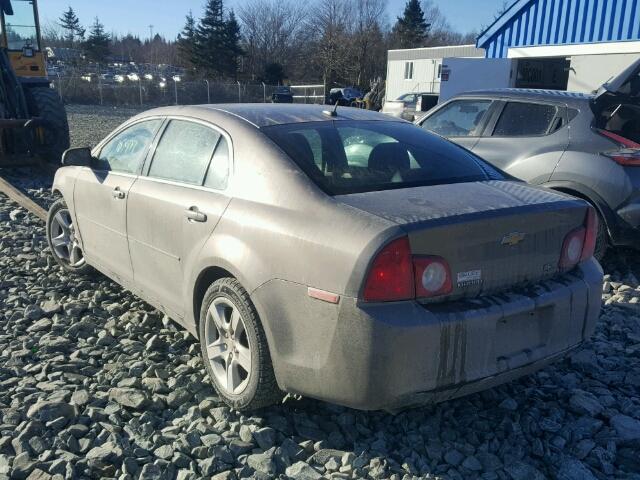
point(173, 210)
point(100, 198)
point(461, 121)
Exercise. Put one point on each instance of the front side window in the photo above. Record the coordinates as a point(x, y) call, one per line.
point(21, 26)
point(126, 151)
point(184, 152)
point(368, 156)
point(460, 118)
point(520, 119)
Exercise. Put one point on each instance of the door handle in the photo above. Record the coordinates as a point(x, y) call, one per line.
point(118, 194)
point(195, 215)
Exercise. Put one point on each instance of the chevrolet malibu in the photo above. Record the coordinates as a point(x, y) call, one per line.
point(342, 255)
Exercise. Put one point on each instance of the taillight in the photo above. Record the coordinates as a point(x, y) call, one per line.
point(579, 245)
point(629, 156)
point(395, 275)
point(391, 275)
point(432, 276)
point(626, 158)
point(625, 142)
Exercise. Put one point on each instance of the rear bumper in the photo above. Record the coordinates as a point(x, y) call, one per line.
point(389, 356)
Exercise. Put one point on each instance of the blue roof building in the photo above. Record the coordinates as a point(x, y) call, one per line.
point(553, 23)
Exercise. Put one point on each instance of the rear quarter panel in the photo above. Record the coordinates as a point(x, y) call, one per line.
point(583, 163)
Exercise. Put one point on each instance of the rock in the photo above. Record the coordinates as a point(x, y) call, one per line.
point(262, 462)
point(150, 471)
point(626, 427)
point(129, 397)
point(106, 453)
point(80, 397)
point(164, 452)
point(472, 463)
point(584, 403)
point(453, 457)
point(523, 471)
point(265, 437)
point(38, 474)
point(509, 404)
point(572, 469)
point(178, 397)
point(46, 411)
point(302, 471)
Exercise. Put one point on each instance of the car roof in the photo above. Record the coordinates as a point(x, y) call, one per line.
point(531, 94)
point(268, 114)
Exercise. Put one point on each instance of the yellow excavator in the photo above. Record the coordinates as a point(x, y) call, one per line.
point(33, 121)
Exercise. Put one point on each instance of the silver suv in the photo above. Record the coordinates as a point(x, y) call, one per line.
point(584, 145)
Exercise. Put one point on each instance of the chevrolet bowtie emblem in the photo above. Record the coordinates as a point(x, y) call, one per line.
point(512, 239)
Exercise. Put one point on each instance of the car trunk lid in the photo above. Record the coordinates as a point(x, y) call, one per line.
point(622, 89)
point(495, 235)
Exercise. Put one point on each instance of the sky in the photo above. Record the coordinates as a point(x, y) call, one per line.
point(167, 16)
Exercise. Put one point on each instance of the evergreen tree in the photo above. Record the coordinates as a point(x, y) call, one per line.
point(187, 42)
point(411, 30)
point(232, 44)
point(98, 45)
point(70, 23)
point(211, 40)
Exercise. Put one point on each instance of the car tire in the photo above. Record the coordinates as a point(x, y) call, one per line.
point(62, 241)
point(602, 239)
point(237, 358)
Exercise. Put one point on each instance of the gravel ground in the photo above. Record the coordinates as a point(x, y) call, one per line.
point(96, 384)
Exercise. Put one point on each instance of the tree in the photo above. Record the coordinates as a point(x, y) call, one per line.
point(273, 32)
point(233, 50)
point(70, 23)
point(98, 45)
point(411, 30)
point(211, 40)
point(187, 44)
point(273, 74)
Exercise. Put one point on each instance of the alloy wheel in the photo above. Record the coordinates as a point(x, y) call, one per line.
point(64, 240)
point(228, 347)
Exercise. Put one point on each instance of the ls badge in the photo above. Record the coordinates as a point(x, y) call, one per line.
point(512, 239)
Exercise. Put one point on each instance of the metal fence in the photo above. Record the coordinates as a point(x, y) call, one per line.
point(142, 92)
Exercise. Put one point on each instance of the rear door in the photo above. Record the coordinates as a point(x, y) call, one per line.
point(174, 207)
point(100, 197)
point(526, 139)
point(461, 121)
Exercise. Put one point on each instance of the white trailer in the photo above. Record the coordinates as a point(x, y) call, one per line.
point(466, 74)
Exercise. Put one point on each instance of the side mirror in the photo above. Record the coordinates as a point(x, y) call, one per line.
point(79, 157)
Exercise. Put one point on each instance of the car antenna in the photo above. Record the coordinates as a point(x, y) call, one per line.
point(332, 113)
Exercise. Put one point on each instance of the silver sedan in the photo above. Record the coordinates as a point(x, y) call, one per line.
point(346, 256)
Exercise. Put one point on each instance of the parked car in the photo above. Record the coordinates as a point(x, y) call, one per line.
point(410, 106)
point(584, 145)
point(282, 94)
point(419, 275)
point(345, 97)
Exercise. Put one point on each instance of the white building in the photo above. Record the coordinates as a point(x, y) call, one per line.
point(420, 69)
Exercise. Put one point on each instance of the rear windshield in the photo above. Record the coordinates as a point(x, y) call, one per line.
point(345, 157)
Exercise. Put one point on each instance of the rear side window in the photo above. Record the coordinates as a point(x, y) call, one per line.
point(218, 172)
point(368, 156)
point(460, 118)
point(184, 152)
point(525, 119)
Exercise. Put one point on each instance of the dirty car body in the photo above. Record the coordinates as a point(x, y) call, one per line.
point(388, 266)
